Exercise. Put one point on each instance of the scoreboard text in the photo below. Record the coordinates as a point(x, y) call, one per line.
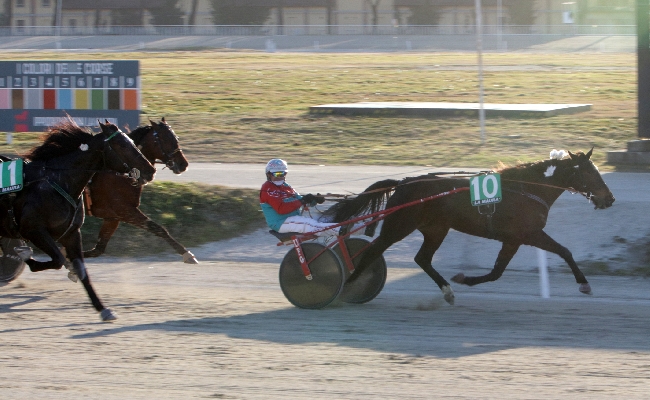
point(35, 95)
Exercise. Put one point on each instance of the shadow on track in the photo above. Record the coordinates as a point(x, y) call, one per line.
point(476, 326)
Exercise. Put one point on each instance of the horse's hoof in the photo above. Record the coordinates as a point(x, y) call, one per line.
point(107, 315)
point(91, 254)
point(188, 258)
point(448, 294)
point(458, 278)
point(585, 288)
point(73, 277)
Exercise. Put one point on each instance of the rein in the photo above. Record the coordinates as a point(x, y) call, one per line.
point(61, 191)
point(569, 189)
point(169, 163)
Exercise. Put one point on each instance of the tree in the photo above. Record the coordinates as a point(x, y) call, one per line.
point(223, 13)
point(169, 14)
point(426, 14)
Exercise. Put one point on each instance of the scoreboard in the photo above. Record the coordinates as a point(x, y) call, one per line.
point(35, 95)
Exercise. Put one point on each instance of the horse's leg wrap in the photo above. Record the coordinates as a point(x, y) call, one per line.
point(79, 268)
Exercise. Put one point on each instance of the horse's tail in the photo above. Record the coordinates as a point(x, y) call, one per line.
point(370, 200)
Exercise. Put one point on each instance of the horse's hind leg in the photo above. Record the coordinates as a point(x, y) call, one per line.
point(395, 228)
point(508, 250)
point(433, 238)
point(44, 241)
point(543, 241)
point(108, 228)
point(370, 255)
point(141, 220)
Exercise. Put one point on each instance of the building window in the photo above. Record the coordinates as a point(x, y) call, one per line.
point(20, 3)
point(46, 3)
point(20, 25)
point(72, 22)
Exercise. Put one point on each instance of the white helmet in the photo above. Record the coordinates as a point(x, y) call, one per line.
point(276, 165)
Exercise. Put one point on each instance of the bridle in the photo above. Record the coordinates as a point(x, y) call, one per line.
point(132, 173)
point(583, 190)
point(168, 156)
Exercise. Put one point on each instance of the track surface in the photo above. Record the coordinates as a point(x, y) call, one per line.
point(222, 329)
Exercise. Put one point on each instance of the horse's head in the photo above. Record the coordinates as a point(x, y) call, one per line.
point(587, 179)
point(121, 155)
point(162, 144)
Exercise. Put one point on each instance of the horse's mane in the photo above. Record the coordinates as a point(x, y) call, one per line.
point(138, 133)
point(61, 139)
point(536, 169)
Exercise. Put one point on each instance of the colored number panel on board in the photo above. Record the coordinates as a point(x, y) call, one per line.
point(35, 95)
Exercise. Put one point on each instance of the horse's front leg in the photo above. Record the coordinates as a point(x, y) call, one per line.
point(73, 248)
point(108, 228)
point(508, 250)
point(141, 220)
point(543, 241)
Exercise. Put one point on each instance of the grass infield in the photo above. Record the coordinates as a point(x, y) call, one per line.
point(229, 106)
point(253, 106)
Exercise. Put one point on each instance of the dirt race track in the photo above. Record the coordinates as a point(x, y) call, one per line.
point(224, 330)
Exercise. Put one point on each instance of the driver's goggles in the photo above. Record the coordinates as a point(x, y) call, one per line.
point(279, 174)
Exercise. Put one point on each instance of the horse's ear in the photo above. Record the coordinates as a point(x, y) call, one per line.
point(152, 123)
point(100, 124)
point(589, 153)
point(163, 120)
point(573, 156)
point(106, 121)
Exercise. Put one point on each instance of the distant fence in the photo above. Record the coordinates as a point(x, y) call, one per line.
point(306, 30)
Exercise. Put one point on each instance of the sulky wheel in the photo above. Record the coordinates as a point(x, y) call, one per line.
point(327, 277)
point(370, 282)
point(11, 266)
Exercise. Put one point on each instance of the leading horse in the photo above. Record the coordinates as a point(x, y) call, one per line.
point(49, 208)
point(529, 191)
point(113, 198)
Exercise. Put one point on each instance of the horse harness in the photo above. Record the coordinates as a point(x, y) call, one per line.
point(169, 162)
point(489, 209)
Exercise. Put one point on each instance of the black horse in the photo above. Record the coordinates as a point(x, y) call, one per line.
point(49, 208)
point(113, 198)
point(528, 191)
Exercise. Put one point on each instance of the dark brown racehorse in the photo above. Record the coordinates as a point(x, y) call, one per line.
point(528, 192)
point(49, 208)
point(113, 198)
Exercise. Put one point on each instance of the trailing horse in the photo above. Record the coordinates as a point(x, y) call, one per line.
point(113, 198)
point(49, 208)
point(529, 191)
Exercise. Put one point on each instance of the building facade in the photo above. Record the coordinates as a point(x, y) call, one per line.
point(318, 13)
